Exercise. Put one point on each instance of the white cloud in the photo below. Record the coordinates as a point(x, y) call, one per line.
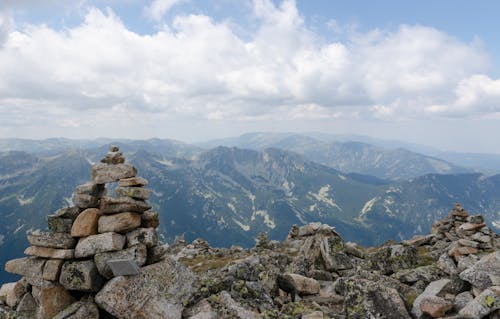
point(158, 8)
point(100, 73)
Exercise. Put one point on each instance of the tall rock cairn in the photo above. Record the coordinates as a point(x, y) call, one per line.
point(98, 238)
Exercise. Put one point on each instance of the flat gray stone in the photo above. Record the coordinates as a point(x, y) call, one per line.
point(134, 192)
point(52, 240)
point(91, 245)
point(109, 173)
point(123, 267)
point(112, 205)
point(138, 253)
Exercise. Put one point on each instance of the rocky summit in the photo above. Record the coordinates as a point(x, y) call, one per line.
point(102, 259)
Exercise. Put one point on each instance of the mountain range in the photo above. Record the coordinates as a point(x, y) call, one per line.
point(228, 195)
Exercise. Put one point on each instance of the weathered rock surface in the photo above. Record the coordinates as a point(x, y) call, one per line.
point(487, 302)
point(111, 205)
point(52, 240)
point(368, 299)
point(50, 252)
point(294, 283)
point(94, 244)
point(108, 173)
point(435, 306)
point(133, 181)
point(146, 236)
point(119, 223)
point(134, 192)
point(137, 253)
point(485, 273)
point(51, 300)
point(81, 276)
point(149, 219)
point(158, 292)
point(59, 224)
point(25, 266)
point(79, 310)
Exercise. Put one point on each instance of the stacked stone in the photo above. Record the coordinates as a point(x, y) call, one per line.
point(469, 234)
point(100, 237)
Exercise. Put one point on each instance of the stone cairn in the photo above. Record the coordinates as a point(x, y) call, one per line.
point(470, 234)
point(98, 238)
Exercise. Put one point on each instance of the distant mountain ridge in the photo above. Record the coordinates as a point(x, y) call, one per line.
point(349, 156)
point(228, 195)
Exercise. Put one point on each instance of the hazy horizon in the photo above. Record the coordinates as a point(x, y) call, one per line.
point(191, 70)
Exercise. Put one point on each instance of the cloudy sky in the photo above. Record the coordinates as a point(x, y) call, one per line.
point(420, 71)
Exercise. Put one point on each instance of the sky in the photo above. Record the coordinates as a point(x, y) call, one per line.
point(422, 71)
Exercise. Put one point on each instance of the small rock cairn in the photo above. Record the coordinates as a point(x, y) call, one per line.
point(98, 238)
point(469, 233)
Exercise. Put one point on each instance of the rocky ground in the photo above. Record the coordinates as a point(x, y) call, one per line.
point(454, 272)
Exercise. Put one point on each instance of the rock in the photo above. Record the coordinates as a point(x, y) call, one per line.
point(468, 243)
point(462, 299)
point(80, 275)
point(86, 223)
point(157, 253)
point(51, 240)
point(391, 259)
point(313, 315)
point(368, 299)
point(158, 292)
point(487, 302)
point(434, 306)
point(202, 310)
point(145, 236)
point(12, 293)
point(149, 219)
point(119, 223)
point(133, 181)
point(476, 219)
point(470, 226)
point(51, 300)
point(79, 310)
point(85, 201)
point(432, 290)
point(354, 249)
point(316, 228)
point(108, 173)
point(446, 264)
point(58, 224)
point(423, 273)
point(485, 273)
point(298, 284)
point(111, 205)
point(68, 212)
point(333, 259)
point(27, 306)
point(134, 192)
point(94, 244)
point(25, 266)
point(418, 240)
point(138, 253)
point(52, 269)
point(235, 309)
point(479, 237)
point(465, 262)
point(50, 252)
point(95, 190)
point(456, 251)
